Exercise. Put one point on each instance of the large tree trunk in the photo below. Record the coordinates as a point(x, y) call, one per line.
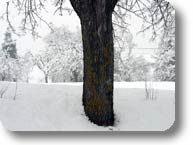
point(97, 36)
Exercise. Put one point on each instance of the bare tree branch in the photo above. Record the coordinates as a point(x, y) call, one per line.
point(156, 14)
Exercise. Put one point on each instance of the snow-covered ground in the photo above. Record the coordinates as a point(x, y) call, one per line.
point(58, 107)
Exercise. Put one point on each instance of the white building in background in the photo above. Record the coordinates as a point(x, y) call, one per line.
point(36, 76)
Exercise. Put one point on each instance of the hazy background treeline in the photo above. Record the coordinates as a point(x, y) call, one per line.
point(62, 59)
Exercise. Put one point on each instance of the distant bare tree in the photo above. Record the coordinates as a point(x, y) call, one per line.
point(15, 91)
point(3, 90)
point(45, 63)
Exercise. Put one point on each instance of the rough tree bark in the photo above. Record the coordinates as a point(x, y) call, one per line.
point(97, 36)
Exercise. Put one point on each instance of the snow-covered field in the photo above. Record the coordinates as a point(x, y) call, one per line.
point(58, 107)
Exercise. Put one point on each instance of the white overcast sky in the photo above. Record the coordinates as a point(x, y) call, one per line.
point(26, 43)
